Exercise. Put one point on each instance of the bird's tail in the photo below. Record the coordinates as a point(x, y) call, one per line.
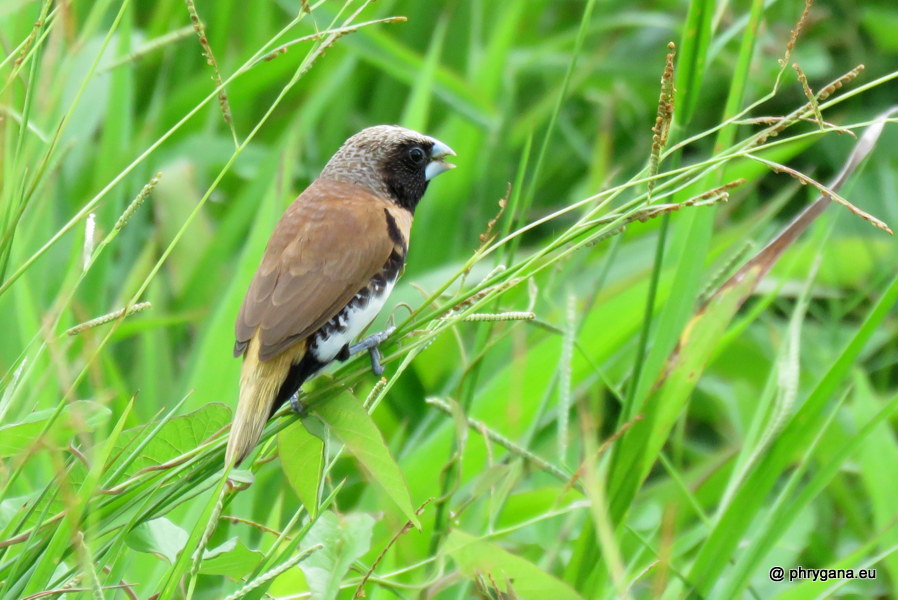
point(259, 385)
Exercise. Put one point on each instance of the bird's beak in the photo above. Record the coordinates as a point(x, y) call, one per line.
point(437, 166)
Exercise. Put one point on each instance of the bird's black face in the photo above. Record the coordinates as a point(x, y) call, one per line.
point(405, 171)
point(391, 161)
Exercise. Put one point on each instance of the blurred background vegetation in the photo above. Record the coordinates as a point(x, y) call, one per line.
point(779, 448)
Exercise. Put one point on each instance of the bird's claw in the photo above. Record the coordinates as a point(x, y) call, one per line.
point(372, 341)
point(376, 367)
point(371, 344)
point(298, 406)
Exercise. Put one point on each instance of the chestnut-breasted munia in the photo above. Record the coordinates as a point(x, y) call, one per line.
point(328, 269)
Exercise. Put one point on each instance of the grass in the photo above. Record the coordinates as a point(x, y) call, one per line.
point(634, 378)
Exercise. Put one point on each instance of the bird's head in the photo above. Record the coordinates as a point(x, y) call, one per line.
point(392, 161)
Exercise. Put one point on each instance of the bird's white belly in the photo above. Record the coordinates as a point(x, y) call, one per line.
point(346, 327)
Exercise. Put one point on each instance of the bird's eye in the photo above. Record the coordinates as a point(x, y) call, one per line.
point(416, 155)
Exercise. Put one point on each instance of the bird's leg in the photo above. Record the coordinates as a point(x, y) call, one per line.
point(298, 405)
point(371, 344)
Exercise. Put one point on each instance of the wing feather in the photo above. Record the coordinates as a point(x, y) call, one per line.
point(330, 242)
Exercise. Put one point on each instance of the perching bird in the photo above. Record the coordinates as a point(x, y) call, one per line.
point(328, 269)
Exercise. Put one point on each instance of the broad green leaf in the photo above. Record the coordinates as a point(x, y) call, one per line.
point(176, 437)
point(232, 559)
point(79, 416)
point(17, 437)
point(475, 557)
point(352, 424)
point(160, 537)
point(302, 460)
point(344, 539)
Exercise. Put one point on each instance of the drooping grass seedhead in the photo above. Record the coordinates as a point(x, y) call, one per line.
point(806, 109)
point(489, 235)
point(825, 191)
point(719, 194)
point(200, 29)
point(796, 32)
point(809, 94)
point(664, 116)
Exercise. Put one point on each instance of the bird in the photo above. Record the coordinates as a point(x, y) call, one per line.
point(327, 271)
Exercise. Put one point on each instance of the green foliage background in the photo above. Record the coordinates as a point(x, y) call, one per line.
point(560, 454)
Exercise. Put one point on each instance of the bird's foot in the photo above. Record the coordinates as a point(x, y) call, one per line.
point(298, 406)
point(371, 344)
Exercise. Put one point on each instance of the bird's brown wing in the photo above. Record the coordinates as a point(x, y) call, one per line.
point(331, 241)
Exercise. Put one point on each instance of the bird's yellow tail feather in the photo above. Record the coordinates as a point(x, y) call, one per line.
point(259, 385)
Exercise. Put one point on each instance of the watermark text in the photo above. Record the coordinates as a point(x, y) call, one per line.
point(801, 573)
